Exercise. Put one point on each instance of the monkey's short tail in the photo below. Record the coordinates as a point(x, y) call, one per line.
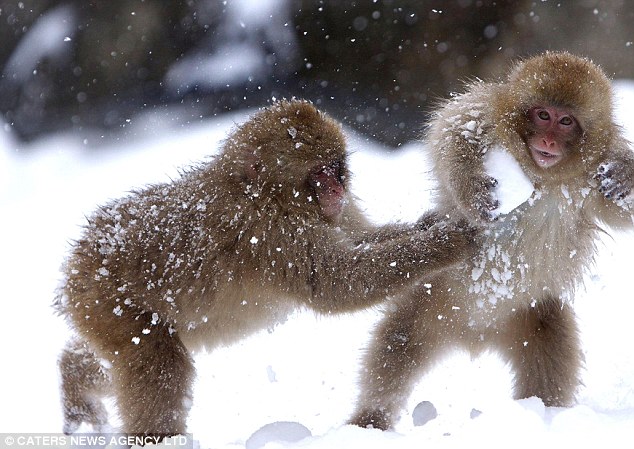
point(84, 380)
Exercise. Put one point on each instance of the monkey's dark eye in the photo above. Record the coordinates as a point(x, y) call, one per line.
point(566, 121)
point(338, 170)
point(332, 172)
point(544, 115)
point(319, 176)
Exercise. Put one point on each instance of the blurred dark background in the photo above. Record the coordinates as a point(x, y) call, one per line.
point(377, 65)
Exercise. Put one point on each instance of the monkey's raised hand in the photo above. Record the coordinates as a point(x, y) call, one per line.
point(616, 178)
point(478, 197)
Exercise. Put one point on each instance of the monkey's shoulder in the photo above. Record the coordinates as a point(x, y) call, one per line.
point(464, 119)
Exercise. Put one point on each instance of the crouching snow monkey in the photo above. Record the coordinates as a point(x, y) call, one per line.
point(229, 248)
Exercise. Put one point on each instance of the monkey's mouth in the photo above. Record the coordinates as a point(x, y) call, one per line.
point(545, 159)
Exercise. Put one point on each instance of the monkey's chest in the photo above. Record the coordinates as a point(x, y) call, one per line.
point(540, 250)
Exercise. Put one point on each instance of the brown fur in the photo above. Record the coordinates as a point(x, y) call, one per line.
point(84, 380)
point(515, 294)
point(229, 248)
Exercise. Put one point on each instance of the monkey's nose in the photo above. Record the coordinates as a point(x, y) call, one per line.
point(549, 143)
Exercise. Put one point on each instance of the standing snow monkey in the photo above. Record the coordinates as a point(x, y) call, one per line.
point(554, 117)
point(229, 248)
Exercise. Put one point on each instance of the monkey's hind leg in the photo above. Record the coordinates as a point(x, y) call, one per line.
point(402, 348)
point(544, 351)
point(153, 374)
point(84, 380)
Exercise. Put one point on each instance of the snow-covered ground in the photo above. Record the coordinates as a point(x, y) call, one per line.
point(305, 370)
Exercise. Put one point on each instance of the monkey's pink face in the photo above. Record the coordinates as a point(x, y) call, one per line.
point(552, 130)
point(327, 182)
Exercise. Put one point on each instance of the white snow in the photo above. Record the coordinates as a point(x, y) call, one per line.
point(423, 413)
point(303, 371)
point(281, 431)
point(514, 187)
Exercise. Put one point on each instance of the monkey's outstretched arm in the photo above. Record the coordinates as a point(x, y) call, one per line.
point(350, 279)
point(399, 230)
point(360, 230)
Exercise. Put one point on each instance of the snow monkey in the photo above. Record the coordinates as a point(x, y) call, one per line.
point(554, 115)
point(230, 247)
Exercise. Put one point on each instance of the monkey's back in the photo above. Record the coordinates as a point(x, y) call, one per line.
point(140, 247)
point(194, 244)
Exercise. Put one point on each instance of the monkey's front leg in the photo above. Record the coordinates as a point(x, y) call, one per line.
point(388, 371)
point(424, 223)
point(543, 347)
point(154, 374)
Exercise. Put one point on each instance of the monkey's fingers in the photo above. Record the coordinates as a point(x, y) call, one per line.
point(462, 231)
point(486, 205)
point(470, 232)
point(615, 192)
point(468, 227)
point(463, 242)
point(614, 183)
point(481, 199)
point(427, 221)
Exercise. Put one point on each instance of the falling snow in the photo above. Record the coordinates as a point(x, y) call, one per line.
point(315, 361)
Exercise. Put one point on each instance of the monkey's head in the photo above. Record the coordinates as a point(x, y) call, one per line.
point(295, 155)
point(560, 105)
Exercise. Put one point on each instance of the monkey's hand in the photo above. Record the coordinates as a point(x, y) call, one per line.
point(616, 178)
point(432, 220)
point(427, 221)
point(478, 197)
point(460, 235)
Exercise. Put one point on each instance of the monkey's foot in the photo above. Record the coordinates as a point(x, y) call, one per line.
point(93, 414)
point(371, 419)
